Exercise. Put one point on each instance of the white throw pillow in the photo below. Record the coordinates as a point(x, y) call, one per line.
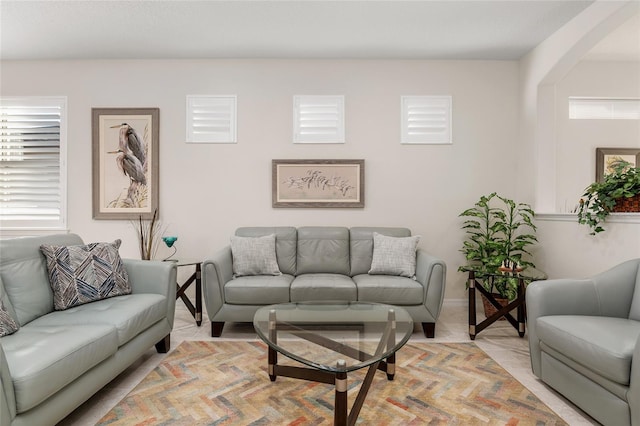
point(254, 255)
point(394, 255)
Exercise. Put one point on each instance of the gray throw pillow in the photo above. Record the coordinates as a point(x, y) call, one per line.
point(85, 273)
point(394, 255)
point(254, 255)
point(8, 322)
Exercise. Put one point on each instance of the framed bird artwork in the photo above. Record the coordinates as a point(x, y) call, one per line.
point(125, 162)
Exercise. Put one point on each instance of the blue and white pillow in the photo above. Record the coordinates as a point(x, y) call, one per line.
point(85, 273)
point(8, 322)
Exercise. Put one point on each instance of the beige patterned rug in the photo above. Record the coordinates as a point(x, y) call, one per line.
point(226, 383)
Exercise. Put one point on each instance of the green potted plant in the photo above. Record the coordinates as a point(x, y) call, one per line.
point(617, 192)
point(499, 233)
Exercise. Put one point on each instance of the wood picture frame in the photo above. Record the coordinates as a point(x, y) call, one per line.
point(318, 183)
point(607, 158)
point(125, 162)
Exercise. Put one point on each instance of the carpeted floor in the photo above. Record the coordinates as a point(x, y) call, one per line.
point(226, 383)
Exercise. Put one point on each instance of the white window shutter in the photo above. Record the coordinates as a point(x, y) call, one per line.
point(426, 120)
point(211, 119)
point(604, 109)
point(32, 163)
point(318, 119)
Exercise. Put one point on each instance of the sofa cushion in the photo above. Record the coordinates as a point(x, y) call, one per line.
point(24, 274)
point(43, 359)
point(310, 287)
point(591, 342)
point(258, 290)
point(323, 250)
point(361, 242)
point(129, 315)
point(389, 289)
point(80, 274)
point(254, 255)
point(286, 243)
point(394, 255)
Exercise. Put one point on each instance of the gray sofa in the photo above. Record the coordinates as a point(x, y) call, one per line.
point(321, 263)
point(584, 341)
point(58, 359)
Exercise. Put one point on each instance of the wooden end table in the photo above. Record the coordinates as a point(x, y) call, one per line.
point(196, 311)
point(477, 275)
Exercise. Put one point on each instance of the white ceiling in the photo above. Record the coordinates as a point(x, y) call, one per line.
point(93, 29)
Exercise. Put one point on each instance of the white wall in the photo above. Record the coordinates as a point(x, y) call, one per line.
point(208, 190)
point(566, 249)
point(577, 140)
point(569, 251)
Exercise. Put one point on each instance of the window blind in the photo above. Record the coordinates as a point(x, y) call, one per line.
point(31, 163)
point(604, 109)
point(318, 119)
point(211, 119)
point(426, 120)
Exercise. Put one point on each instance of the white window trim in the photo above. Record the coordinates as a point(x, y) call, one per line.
point(23, 228)
point(229, 134)
point(408, 102)
point(335, 134)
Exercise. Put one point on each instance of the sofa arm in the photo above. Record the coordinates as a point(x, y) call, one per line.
point(556, 297)
point(634, 386)
point(431, 272)
point(147, 276)
point(216, 272)
point(7, 395)
point(562, 297)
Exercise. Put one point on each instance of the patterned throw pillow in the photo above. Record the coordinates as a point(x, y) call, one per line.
point(254, 255)
point(8, 325)
point(394, 255)
point(85, 273)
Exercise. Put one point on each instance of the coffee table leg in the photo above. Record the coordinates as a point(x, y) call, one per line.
point(272, 354)
point(391, 342)
point(340, 408)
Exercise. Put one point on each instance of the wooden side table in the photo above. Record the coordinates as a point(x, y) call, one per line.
point(196, 311)
point(524, 277)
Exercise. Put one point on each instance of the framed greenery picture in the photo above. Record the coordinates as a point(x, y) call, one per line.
point(607, 159)
point(318, 183)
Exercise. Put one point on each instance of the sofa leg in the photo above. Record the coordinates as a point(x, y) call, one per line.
point(216, 328)
point(162, 347)
point(429, 329)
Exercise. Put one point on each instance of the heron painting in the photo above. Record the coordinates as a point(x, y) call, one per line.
point(130, 140)
point(125, 162)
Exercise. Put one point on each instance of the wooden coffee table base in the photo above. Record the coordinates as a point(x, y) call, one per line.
point(337, 378)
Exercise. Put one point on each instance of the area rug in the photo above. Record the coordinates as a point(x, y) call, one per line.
point(226, 383)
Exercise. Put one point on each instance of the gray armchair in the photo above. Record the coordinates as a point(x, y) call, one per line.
point(583, 338)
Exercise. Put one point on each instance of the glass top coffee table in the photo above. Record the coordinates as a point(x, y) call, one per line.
point(332, 339)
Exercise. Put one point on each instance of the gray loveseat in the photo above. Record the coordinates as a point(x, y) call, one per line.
point(321, 263)
point(584, 341)
point(58, 359)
